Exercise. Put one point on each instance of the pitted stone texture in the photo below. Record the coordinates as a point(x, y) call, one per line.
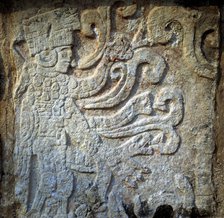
point(114, 109)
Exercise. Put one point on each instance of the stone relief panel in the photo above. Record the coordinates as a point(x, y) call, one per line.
point(114, 110)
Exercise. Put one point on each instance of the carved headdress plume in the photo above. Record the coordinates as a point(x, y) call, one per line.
point(51, 29)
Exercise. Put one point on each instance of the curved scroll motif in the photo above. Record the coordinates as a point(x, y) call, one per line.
point(123, 89)
point(176, 24)
point(89, 86)
point(140, 104)
point(95, 22)
point(138, 145)
point(171, 116)
point(169, 100)
point(168, 112)
point(160, 138)
point(110, 99)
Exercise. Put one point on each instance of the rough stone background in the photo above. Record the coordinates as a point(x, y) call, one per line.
point(8, 206)
point(219, 152)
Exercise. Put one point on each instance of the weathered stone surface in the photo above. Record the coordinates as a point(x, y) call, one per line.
point(219, 160)
point(112, 108)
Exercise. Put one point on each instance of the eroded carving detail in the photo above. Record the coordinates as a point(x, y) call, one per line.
point(191, 29)
point(94, 142)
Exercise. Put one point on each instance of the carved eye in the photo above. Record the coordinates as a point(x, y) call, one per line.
point(47, 58)
point(63, 55)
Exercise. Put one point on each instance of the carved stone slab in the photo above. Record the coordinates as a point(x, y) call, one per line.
point(114, 109)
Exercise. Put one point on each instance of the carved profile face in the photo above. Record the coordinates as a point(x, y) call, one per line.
point(58, 59)
point(64, 59)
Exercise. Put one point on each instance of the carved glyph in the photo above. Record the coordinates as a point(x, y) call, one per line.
point(191, 29)
point(103, 128)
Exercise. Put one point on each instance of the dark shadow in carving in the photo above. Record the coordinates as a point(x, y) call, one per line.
point(164, 211)
point(21, 48)
point(5, 6)
point(193, 3)
point(1, 172)
point(1, 161)
point(207, 48)
point(195, 213)
point(129, 210)
point(144, 210)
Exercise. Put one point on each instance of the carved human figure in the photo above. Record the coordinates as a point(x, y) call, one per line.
point(41, 92)
point(50, 123)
